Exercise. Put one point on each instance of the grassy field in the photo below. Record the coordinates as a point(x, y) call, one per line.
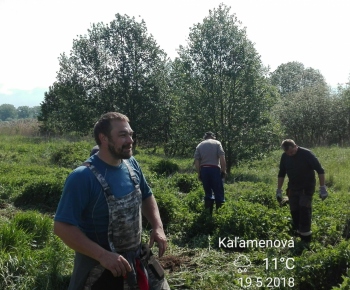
point(221, 252)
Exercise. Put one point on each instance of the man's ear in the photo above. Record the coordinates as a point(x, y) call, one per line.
point(103, 138)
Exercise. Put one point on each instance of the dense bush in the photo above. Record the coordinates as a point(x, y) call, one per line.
point(44, 193)
point(12, 238)
point(323, 269)
point(169, 207)
point(186, 182)
point(38, 225)
point(71, 155)
point(24, 265)
point(248, 220)
point(194, 201)
point(256, 192)
point(165, 166)
point(345, 285)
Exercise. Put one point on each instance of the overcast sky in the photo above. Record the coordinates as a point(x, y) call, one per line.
point(34, 33)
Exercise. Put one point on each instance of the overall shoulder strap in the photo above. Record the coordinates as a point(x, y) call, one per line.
point(100, 179)
point(131, 171)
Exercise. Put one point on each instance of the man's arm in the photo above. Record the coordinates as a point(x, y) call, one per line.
point(322, 179)
point(223, 163)
point(151, 212)
point(316, 165)
point(198, 168)
point(280, 182)
point(74, 238)
point(282, 172)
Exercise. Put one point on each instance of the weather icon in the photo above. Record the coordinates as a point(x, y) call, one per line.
point(242, 263)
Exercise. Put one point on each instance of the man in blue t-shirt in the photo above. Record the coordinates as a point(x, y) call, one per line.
point(83, 216)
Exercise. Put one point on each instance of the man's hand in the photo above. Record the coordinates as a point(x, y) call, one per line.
point(158, 236)
point(279, 195)
point(115, 263)
point(323, 192)
point(223, 174)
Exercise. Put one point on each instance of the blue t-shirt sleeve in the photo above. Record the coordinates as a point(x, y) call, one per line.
point(75, 197)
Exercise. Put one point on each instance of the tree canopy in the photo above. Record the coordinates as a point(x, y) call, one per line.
point(217, 83)
point(223, 87)
point(292, 77)
point(115, 67)
point(7, 112)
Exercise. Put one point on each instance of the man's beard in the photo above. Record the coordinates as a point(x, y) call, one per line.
point(116, 154)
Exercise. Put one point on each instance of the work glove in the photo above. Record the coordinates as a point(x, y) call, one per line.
point(323, 192)
point(279, 195)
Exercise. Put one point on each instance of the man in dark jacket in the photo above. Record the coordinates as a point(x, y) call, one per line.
point(300, 165)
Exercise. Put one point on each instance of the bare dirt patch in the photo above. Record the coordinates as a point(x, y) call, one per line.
point(176, 263)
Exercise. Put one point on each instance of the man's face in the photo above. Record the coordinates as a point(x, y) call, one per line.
point(120, 142)
point(291, 151)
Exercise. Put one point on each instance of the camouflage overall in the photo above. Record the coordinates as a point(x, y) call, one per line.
point(124, 233)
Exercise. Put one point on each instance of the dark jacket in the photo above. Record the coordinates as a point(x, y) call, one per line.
point(300, 169)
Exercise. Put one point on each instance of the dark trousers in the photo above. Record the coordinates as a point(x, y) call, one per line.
point(300, 203)
point(212, 183)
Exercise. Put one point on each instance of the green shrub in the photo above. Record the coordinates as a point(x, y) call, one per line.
point(203, 224)
point(17, 175)
point(71, 155)
point(346, 231)
point(4, 193)
point(38, 225)
point(165, 166)
point(258, 192)
point(43, 193)
point(16, 271)
point(345, 285)
point(186, 182)
point(169, 206)
point(330, 218)
point(47, 268)
point(57, 264)
point(194, 200)
point(323, 269)
point(248, 220)
point(12, 238)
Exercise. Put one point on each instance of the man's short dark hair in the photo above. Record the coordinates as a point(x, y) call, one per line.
point(288, 144)
point(103, 125)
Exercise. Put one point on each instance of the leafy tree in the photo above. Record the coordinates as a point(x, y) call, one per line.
point(340, 116)
point(306, 115)
point(59, 113)
point(23, 112)
point(34, 111)
point(115, 67)
point(7, 112)
point(292, 77)
point(223, 87)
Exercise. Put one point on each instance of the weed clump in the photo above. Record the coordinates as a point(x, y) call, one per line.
point(165, 166)
point(44, 193)
point(71, 155)
point(186, 182)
